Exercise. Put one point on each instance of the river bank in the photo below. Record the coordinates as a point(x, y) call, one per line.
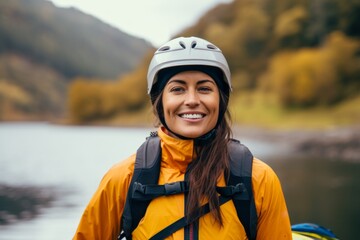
point(334, 143)
point(338, 142)
point(23, 202)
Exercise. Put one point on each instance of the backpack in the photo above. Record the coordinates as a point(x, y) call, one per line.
point(144, 187)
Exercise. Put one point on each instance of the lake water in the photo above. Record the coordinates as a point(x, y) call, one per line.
point(72, 161)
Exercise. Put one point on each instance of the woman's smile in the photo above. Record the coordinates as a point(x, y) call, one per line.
point(192, 115)
point(191, 104)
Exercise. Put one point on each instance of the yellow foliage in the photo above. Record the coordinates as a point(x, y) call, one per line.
point(249, 26)
point(342, 51)
point(215, 33)
point(312, 76)
point(252, 23)
point(91, 99)
point(290, 22)
point(84, 99)
point(14, 93)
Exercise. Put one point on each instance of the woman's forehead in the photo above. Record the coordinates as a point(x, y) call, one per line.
point(191, 74)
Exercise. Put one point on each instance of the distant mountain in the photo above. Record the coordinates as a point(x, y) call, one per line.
point(42, 45)
point(66, 39)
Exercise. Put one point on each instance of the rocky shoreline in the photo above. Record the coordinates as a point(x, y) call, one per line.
point(342, 143)
point(23, 202)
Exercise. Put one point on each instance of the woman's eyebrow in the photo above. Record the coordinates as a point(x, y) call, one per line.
point(197, 83)
point(177, 81)
point(206, 81)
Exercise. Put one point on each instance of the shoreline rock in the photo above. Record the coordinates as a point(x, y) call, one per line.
point(342, 143)
point(23, 202)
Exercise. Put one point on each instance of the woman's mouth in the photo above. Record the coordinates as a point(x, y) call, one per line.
point(192, 115)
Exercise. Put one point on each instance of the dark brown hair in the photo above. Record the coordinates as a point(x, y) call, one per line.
point(212, 161)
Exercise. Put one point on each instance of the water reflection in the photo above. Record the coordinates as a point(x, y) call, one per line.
point(72, 161)
point(323, 191)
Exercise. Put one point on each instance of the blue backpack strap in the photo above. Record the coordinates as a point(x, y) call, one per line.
point(146, 171)
point(241, 161)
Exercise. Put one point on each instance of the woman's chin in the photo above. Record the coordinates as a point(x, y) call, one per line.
point(191, 134)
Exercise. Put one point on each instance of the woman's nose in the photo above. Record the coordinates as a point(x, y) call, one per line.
point(192, 98)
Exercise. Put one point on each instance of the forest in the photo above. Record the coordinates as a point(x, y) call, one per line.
point(299, 55)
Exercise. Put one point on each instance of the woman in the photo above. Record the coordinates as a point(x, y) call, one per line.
point(189, 85)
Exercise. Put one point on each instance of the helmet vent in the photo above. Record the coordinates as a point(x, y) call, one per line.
point(212, 47)
point(163, 49)
point(182, 44)
point(193, 44)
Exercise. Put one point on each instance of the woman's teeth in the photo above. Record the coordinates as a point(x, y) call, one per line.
point(192, 116)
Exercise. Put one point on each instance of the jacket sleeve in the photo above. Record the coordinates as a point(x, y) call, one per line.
point(101, 218)
point(273, 220)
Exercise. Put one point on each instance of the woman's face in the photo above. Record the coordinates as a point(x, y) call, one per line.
point(191, 103)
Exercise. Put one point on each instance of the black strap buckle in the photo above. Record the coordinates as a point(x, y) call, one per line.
point(174, 188)
point(146, 192)
point(231, 191)
point(138, 187)
point(238, 188)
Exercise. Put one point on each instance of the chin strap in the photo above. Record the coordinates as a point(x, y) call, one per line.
point(205, 138)
point(199, 140)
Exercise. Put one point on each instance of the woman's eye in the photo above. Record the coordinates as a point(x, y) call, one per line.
point(205, 89)
point(176, 89)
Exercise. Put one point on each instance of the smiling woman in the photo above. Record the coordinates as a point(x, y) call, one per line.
point(191, 104)
point(191, 166)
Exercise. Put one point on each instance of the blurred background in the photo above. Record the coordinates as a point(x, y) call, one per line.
point(73, 99)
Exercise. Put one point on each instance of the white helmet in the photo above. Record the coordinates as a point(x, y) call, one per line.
point(184, 51)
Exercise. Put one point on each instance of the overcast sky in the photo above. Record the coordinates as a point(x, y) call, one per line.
point(153, 20)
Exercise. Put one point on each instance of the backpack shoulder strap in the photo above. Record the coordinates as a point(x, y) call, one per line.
point(241, 160)
point(146, 171)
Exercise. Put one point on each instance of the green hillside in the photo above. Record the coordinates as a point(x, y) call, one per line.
point(43, 47)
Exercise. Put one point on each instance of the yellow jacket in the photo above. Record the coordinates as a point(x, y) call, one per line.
point(101, 218)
